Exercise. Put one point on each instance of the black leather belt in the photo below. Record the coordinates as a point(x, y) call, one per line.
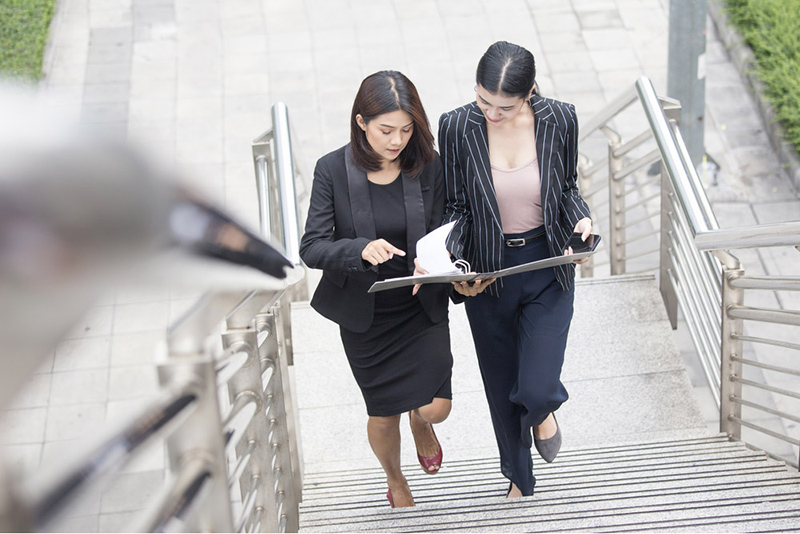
point(522, 241)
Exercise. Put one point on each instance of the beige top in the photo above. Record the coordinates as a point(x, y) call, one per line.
point(519, 197)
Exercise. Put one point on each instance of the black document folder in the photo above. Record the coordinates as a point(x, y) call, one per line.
point(393, 283)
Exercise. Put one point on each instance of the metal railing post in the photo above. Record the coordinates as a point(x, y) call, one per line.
point(282, 432)
point(665, 263)
point(730, 349)
point(672, 113)
point(256, 480)
point(616, 210)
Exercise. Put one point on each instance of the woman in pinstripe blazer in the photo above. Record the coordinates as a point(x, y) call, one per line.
point(510, 166)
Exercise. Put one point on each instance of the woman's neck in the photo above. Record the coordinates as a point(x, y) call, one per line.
point(388, 173)
point(522, 120)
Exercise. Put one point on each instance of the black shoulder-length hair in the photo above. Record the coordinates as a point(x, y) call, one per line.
point(507, 69)
point(384, 92)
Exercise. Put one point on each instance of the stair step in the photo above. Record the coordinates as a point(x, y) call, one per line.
point(704, 484)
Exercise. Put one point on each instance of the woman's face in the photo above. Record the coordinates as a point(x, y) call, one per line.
point(498, 109)
point(388, 134)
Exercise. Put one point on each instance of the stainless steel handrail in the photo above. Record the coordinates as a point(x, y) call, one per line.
point(48, 493)
point(697, 273)
point(259, 432)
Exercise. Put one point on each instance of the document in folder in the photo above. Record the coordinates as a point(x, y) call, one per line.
point(433, 256)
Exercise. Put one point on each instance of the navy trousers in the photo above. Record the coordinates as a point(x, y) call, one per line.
point(520, 340)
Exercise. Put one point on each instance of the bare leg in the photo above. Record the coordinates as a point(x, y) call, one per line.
point(433, 413)
point(547, 429)
point(384, 438)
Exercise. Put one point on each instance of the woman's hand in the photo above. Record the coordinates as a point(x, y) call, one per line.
point(380, 251)
point(583, 227)
point(472, 288)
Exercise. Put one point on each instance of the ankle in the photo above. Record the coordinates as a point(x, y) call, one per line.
point(546, 429)
point(513, 492)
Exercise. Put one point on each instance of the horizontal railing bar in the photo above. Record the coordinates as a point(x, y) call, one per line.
point(641, 202)
point(781, 283)
point(232, 361)
point(174, 503)
point(596, 188)
point(250, 306)
point(764, 341)
point(710, 273)
point(704, 293)
point(765, 409)
point(608, 113)
point(777, 369)
point(788, 317)
point(768, 432)
point(241, 464)
point(709, 363)
point(649, 216)
point(707, 329)
point(248, 505)
point(763, 235)
point(644, 161)
point(635, 142)
point(602, 163)
point(641, 185)
point(50, 491)
point(611, 134)
point(765, 387)
point(239, 417)
point(639, 237)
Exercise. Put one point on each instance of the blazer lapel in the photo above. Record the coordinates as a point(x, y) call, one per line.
point(477, 145)
point(415, 216)
point(548, 143)
point(360, 202)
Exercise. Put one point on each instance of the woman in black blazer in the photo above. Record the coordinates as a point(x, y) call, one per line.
point(370, 202)
point(510, 165)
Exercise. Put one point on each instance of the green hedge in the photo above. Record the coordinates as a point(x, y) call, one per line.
point(772, 29)
point(24, 26)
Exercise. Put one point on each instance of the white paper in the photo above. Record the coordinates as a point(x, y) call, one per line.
point(432, 251)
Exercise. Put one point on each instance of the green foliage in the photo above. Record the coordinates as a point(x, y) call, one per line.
point(772, 29)
point(24, 26)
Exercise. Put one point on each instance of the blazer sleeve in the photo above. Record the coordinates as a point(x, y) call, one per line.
point(574, 207)
point(437, 210)
point(457, 207)
point(320, 248)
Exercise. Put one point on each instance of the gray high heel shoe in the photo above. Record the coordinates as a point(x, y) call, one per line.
point(548, 448)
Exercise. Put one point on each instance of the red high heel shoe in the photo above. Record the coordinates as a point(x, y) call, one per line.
point(389, 496)
point(431, 461)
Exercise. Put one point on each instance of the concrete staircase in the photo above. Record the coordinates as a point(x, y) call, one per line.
point(637, 452)
point(705, 484)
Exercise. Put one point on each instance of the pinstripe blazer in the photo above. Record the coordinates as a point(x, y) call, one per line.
point(471, 200)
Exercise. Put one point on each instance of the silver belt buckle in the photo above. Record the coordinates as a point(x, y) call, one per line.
point(518, 242)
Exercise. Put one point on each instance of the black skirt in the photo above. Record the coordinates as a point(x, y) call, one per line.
point(403, 361)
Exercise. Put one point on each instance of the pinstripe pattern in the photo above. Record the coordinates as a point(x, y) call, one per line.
point(471, 200)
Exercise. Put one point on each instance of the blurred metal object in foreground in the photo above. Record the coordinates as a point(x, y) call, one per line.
point(79, 215)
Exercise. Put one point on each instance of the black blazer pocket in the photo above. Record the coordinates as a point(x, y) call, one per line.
point(336, 278)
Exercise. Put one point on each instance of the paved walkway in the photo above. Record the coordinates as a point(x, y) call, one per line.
point(192, 81)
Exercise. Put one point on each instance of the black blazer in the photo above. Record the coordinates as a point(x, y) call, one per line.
point(471, 200)
point(339, 226)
